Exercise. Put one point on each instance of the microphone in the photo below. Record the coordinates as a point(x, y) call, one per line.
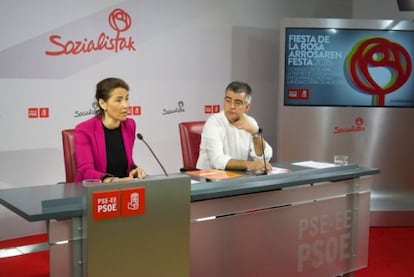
point(140, 137)
point(260, 132)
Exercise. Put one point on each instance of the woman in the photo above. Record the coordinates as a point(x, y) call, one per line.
point(104, 143)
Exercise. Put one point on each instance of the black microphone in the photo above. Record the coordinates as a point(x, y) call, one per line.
point(140, 137)
point(260, 132)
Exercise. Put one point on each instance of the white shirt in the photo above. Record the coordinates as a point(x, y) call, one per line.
point(221, 141)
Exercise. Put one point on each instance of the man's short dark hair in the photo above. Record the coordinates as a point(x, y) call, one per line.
point(241, 87)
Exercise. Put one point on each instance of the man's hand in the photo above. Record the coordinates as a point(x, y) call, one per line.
point(246, 125)
point(258, 165)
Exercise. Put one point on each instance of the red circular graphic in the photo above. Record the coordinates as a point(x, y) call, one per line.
point(380, 52)
point(119, 20)
point(359, 121)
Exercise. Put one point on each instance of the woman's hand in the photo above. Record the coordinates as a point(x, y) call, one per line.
point(137, 173)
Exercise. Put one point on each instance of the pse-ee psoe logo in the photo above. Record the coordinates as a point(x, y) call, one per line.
point(298, 93)
point(42, 112)
point(209, 109)
point(119, 20)
point(117, 203)
point(378, 52)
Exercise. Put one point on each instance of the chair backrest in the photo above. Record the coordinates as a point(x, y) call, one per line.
point(190, 138)
point(68, 142)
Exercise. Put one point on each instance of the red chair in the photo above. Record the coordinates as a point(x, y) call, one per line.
point(68, 141)
point(190, 138)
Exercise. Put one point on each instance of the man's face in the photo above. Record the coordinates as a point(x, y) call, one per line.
point(235, 105)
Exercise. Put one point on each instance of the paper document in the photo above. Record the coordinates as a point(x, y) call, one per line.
point(214, 174)
point(314, 164)
point(278, 170)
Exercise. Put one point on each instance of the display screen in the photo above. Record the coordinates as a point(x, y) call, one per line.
point(348, 67)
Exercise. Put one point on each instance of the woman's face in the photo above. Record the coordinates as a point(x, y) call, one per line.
point(116, 108)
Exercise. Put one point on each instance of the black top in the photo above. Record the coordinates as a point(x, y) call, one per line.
point(116, 161)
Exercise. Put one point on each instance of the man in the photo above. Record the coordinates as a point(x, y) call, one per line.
point(231, 139)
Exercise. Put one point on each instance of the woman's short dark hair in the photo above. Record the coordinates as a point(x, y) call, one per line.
point(105, 87)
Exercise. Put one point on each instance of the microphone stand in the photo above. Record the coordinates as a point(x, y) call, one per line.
point(140, 137)
point(260, 131)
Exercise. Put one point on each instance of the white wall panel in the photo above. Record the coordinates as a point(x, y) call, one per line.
point(185, 51)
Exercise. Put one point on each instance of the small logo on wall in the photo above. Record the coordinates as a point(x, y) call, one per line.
point(119, 20)
point(209, 109)
point(178, 109)
point(92, 110)
point(38, 112)
point(357, 127)
point(133, 110)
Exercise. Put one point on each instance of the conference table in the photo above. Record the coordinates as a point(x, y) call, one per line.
point(309, 218)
